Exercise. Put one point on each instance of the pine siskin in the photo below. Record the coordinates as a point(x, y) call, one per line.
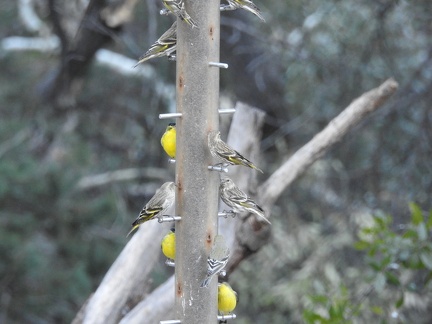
point(177, 7)
point(227, 298)
point(233, 197)
point(168, 245)
point(217, 259)
point(222, 151)
point(165, 45)
point(162, 200)
point(168, 140)
point(243, 4)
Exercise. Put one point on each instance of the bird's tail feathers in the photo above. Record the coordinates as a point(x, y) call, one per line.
point(133, 228)
point(206, 282)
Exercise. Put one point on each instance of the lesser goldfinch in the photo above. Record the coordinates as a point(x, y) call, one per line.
point(165, 45)
point(223, 152)
point(243, 4)
point(177, 7)
point(217, 259)
point(168, 244)
point(227, 298)
point(162, 200)
point(168, 140)
point(233, 197)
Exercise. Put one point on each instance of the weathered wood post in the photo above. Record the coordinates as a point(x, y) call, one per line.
point(197, 194)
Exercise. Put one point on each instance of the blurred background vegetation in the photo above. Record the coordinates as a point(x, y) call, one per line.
point(347, 245)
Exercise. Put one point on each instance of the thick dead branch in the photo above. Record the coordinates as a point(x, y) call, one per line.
point(158, 306)
point(244, 135)
point(251, 236)
point(127, 279)
point(100, 23)
point(357, 111)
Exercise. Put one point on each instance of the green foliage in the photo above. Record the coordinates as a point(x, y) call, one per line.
point(56, 241)
point(392, 253)
point(334, 309)
point(399, 262)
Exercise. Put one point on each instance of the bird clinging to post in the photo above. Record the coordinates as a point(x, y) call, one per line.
point(223, 152)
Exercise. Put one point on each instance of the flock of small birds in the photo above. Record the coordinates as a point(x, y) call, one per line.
point(230, 194)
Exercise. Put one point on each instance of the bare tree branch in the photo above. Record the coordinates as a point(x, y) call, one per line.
point(251, 236)
point(359, 109)
point(101, 22)
point(123, 285)
point(158, 306)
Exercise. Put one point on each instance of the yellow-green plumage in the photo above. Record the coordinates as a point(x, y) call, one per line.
point(168, 140)
point(227, 298)
point(225, 153)
point(177, 7)
point(164, 46)
point(168, 245)
point(243, 4)
point(161, 201)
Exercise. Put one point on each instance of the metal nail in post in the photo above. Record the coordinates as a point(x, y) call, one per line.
point(226, 7)
point(168, 218)
point(170, 263)
point(219, 65)
point(226, 111)
point(218, 168)
point(225, 317)
point(170, 322)
point(170, 115)
point(164, 12)
point(225, 214)
point(171, 161)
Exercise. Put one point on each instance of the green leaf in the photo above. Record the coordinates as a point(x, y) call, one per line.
point(400, 301)
point(319, 299)
point(415, 262)
point(385, 262)
point(335, 312)
point(426, 259)
point(312, 317)
point(416, 214)
point(375, 266)
point(370, 230)
point(361, 245)
point(377, 310)
point(392, 278)
point(410, 233)
point(381, 221)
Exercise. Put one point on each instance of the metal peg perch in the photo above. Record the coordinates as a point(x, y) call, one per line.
point(168, 218)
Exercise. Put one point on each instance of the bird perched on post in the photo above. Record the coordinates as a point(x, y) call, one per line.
point(168, 140)
point(223, 152)
point(233, 197)
point(161, 201)
point(165, 45)
point(168, 244)
point(217, 259)
point(177, 7)
point(243, 4)
point(227, 298)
